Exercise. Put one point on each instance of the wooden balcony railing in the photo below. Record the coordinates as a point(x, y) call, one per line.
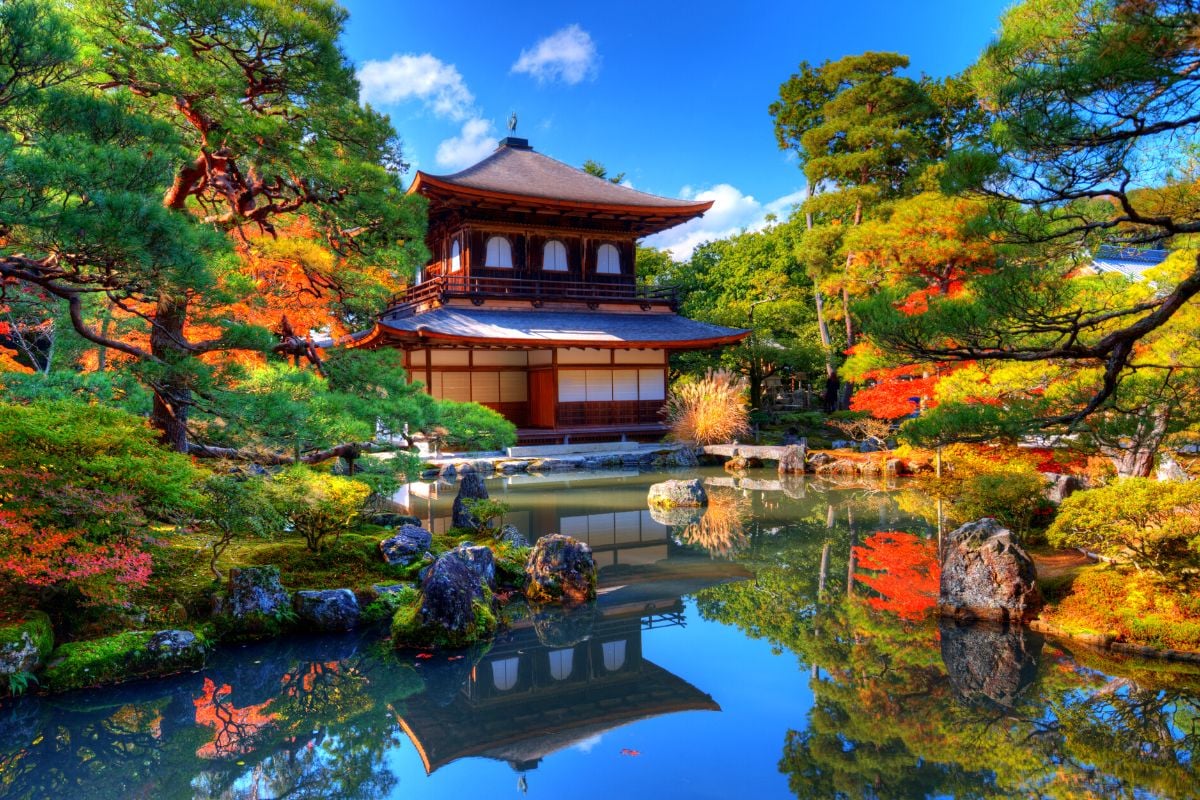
point(478, 289)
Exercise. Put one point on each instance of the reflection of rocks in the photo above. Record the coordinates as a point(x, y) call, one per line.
point(989, 662)
point(986, 574)
point(676, 517)
point(559, 626)
point(560, 569)
point(673, 494)
point(470, 487)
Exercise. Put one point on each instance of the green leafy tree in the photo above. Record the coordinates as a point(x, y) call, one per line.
point(1153, 524)
point(172, 132)
point(237, 507)
point(750, 280)
point(315, 504)
point(1093, 112)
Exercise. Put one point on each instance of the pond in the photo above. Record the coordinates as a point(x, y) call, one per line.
point(749, 653)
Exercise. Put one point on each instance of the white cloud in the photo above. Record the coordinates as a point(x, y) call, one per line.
point(473, 144)
point(568, 55)
point(732, 212)
point(423, 77)
point(588, 744)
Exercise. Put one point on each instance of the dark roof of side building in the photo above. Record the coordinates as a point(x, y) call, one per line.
point(1129, 261)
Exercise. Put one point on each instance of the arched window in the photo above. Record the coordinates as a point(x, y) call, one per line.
point(562, 663)
point(608, 260)
point(499, 253)
point(455, 257)
point(504, 673)
point(554, 257)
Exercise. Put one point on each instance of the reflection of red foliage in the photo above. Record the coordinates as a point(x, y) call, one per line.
point(235, 727)
point(906, 573)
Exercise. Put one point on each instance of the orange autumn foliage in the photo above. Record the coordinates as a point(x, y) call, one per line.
point(905, 571)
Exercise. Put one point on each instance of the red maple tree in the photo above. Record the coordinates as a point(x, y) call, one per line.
point(905, 573)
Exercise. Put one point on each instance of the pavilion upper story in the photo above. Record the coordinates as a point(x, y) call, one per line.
point(530, 302)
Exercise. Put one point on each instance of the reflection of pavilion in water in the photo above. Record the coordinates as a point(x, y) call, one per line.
point(542, 688)
point(612, 517)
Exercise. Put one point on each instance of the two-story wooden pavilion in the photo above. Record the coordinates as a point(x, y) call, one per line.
point(530, 303)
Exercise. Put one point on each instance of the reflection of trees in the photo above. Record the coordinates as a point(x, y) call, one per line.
point(298, 722)
point(720, 530)
point(901, 709)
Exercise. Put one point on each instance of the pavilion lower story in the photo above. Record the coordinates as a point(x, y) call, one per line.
point(564, 391)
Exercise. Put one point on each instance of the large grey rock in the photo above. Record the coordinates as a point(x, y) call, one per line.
point(479, 559)
point(678, 494)
point(24, 645)
point(407, 545)
point(560, 568)
point(986, 574)
point(253, 591)
point(470, 487)
point(453, 609)
point(991, 664)
point(793, 460)
point(328, 609)
point(818, 460)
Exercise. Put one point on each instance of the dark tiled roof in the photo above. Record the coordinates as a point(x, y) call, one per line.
point(550, 327)
point(523, 171)
point(1110, 252)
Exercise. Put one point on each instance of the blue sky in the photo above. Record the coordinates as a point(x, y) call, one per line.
point(674, 95)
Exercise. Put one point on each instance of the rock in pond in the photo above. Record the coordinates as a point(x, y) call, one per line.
point(470, 487)
point(480, 561)
point(678, 494)
point(24, 646)
point(793, 460)
point(986, 574)
point(123, 657)
point(328, 609)
point(560, 568)
point(407, 545)
point(453, 608)
point(737, 463)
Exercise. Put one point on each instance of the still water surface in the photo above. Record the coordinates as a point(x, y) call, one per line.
point(742, 654)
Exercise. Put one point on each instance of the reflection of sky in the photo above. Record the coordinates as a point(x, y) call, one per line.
point(700, 754)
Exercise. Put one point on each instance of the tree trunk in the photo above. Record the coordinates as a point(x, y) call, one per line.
point(1137, 461)
point(172, 396)
point(829, 398)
